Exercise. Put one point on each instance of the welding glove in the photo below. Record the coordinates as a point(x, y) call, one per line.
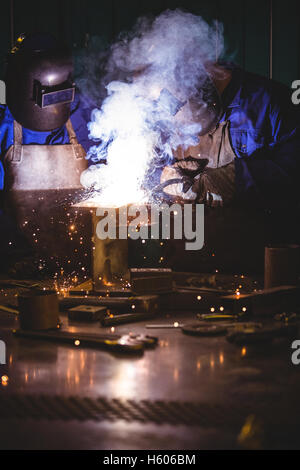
point(177, 180)
point(215, 187)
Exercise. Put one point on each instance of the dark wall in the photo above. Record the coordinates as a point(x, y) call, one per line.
point(246, 25)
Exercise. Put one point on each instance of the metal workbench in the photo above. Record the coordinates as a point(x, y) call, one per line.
point(187, 393)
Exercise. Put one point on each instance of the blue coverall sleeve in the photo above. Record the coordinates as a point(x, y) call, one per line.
point(2, 149)
point(270, 176)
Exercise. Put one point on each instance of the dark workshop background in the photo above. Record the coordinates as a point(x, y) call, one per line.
point(261, 35)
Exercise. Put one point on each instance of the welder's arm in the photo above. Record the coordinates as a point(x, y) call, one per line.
point(216, 186)
point(177, 182)
point(269, 178)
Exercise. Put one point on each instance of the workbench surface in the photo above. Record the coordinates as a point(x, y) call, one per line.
point(187, 393)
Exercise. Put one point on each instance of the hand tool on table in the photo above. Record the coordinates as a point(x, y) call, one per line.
point(207, 329)
point(146, 340)
point(124, 318)
point(115, 343)
point(175, 325)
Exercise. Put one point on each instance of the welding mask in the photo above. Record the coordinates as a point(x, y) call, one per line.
point(206, 106)
point(39, 84)
point(203, 108)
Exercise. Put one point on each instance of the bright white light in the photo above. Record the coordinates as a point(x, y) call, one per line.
point(122, 123)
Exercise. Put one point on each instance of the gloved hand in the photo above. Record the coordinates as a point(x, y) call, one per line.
point(177, 180)
point(216, 186)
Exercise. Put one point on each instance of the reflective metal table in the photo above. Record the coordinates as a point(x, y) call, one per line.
point(187, 393)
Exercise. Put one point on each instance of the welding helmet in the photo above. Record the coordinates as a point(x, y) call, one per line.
point(206, 106)
point(39, 83)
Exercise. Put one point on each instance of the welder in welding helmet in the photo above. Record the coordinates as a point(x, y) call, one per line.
point(39, 83)
point(41, 151)
point(204, 172)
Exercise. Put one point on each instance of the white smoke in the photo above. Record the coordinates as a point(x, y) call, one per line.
point(159, 71)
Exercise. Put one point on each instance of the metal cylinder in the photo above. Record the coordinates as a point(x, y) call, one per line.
point(281, 265)
point(39, 310)
point(110, 255)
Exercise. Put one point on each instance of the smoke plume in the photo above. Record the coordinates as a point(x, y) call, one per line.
point(156, 79)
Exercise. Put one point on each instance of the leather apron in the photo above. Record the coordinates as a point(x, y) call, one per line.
point(42, 182)
point(215, 147)
point(234, 237)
